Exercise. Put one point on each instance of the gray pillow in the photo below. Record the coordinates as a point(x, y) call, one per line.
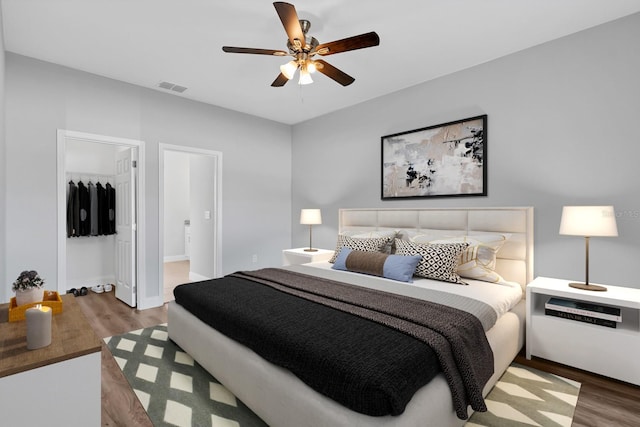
point(396, 267)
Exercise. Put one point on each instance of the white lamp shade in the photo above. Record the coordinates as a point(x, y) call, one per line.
point(310, 216)
point(305, 77)
point(588, 221)
point(289, 69)
point(311, 66)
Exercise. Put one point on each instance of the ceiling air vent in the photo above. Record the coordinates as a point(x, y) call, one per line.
point(172, 86)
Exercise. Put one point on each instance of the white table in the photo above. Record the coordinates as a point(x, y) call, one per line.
point(300, 256)
point(613, 352)
point(57, 385)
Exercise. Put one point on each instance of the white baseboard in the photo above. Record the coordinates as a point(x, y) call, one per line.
point(194, 277)
point(145, 303)
point(174, 258)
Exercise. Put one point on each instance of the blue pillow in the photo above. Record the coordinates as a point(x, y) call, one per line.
point(395, 267)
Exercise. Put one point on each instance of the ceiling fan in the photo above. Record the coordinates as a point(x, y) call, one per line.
point(303, 48)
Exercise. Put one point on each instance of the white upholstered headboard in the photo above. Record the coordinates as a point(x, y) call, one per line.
point(514, 259)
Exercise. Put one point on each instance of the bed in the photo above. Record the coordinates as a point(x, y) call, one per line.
point(280, 398)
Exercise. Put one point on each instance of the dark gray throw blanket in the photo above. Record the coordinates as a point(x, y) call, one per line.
point(369, 367)
point(457, 337)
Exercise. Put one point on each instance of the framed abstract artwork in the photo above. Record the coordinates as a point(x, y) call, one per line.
point(445, 160)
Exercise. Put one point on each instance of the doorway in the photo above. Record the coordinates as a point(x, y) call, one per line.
point(190, 215)
point(122, 251)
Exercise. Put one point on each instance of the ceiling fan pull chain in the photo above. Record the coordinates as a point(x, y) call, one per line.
point(300, 90)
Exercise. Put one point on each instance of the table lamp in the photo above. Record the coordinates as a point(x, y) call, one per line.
point(588, 221)
point(310, 217)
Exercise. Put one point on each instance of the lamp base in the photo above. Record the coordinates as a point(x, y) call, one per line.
point(311, 250)
point(588, 287)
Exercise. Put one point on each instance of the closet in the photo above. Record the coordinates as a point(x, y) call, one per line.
point(90, 244)
point(101, 242)
point(96, 250)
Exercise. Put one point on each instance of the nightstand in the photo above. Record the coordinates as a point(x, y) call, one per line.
point(613, 352)
point(300, 256)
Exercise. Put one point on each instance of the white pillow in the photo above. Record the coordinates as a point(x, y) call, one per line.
point(478, 261)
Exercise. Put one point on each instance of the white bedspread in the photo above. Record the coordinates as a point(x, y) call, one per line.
point(502, 297)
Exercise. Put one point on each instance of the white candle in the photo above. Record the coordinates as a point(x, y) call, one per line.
point(38, 326)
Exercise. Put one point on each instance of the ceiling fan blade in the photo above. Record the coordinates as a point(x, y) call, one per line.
point(332, 72)
point(231, 49)
point(352, 43)
point(289, 18)
point(280, 81)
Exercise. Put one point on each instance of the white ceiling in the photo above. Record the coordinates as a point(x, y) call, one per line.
point(145, 42)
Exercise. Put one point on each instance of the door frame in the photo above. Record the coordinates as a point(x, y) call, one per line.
point(64, 135)
point(217, 188)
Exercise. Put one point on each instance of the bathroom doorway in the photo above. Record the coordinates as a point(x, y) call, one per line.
point(190, 215)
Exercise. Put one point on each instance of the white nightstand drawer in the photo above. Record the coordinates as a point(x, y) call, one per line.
point(606, 351)
point(300, 256)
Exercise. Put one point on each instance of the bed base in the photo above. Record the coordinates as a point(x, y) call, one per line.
point(282, 400)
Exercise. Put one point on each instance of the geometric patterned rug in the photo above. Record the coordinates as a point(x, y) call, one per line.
point(176, 391)
point(173, 388)
point(528, 397)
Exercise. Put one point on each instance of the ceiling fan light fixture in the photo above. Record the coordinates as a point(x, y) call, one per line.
point(311, 66)
point(305, 77)
point(289, 69)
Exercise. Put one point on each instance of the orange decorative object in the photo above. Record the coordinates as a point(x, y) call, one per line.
point(50, 299)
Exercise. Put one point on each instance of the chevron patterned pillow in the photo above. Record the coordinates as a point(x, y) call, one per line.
point(375, 244)
point(439, 260)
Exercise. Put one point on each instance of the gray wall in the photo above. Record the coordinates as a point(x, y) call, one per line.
point(203, 232)
point(3, 203)
point(562, 130)
point(42, 97)
point(176, 202)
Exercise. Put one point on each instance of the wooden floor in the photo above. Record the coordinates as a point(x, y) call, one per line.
point(109, 316)
point(175, 273)
point(602, 402)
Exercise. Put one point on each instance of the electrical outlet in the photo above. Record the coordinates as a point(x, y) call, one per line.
point(254, 258)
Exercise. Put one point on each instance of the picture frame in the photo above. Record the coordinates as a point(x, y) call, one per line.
point(444, 160)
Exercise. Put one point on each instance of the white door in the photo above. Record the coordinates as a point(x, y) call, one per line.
point(126, 226)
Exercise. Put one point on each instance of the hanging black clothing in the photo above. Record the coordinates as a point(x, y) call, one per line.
point(91, 209)
point(71, 196)
point(84, 213)
point(76, 213)
point(102, 208)
point(93, 205)
point(111, 209)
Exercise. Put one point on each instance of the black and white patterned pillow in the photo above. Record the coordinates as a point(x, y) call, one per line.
point(439, 260)
point(374, 244)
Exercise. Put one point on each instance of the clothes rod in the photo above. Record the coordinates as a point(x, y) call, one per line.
point(84, 176)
